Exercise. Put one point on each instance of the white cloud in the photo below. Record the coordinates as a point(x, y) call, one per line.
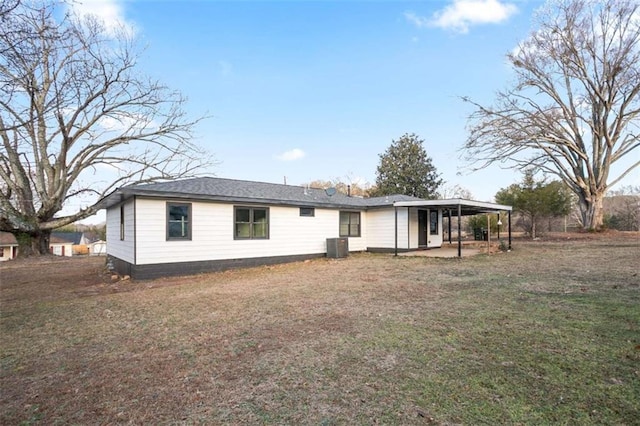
point(291, 155)
point(416, 20)
point(111, 12)
point(462, 14)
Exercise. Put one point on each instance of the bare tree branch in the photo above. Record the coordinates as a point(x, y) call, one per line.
point(574, 109)
point(72, 103)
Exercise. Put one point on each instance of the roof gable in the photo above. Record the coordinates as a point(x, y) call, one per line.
point(71, 237)
point(7, 239)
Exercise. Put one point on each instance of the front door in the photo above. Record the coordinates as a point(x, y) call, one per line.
point(423, 224)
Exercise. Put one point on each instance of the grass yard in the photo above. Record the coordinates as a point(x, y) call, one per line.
point(546, 334)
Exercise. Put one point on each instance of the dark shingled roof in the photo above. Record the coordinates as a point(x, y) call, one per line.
point(7, 239)
point(242, 191)
point(70, 237)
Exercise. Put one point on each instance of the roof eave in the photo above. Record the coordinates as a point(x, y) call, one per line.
point(123, 194)
point(476, 205)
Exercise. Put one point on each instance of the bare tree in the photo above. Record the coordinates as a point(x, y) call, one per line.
point(73, 109)
point(574, 108)
point(345, 185)
point(455, 191)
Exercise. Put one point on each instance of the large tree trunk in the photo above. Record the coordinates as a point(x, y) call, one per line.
point(33, 243)
point(591, 211)
point(533, 227)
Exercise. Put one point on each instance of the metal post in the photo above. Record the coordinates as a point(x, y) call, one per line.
point(509, 229)
point(499, 223)
point(488, 233)
point(459, 230)
point(449, 214)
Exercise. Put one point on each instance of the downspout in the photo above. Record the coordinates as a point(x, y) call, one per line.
point(408, 228)
point(135, 236)
point(396, 223)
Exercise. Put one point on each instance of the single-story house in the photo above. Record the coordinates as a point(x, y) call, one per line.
point(79, 242)
point(60, 246)
point(204, 224)
point(8, 246)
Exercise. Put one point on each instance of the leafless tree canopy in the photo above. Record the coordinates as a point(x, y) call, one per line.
point(573, 110)
point(73, 106)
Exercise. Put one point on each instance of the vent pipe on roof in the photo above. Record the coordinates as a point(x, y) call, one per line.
point(348, 190)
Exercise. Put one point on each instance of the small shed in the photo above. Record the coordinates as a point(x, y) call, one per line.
point(98, 248)
point(8, 246)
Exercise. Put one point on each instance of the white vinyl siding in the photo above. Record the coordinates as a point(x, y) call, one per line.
point(6, 252)
point(122, 249)
point(381, 229)
point(381, 233)
point(212, 233)
point(61, 249)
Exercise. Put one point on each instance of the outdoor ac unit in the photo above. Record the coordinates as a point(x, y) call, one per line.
point(337, 248)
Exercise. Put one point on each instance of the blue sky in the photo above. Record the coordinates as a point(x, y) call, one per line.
point(318, 89)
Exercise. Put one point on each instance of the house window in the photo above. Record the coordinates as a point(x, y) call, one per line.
point(121, 222)
point(433, 222)
point(349, 224)
point(178, 221)
point(251, 223)
point(307, 211)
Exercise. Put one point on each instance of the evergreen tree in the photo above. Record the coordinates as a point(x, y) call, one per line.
point(536, 200)
point(405, 168)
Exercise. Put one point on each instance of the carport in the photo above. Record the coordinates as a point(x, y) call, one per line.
point(453, 208)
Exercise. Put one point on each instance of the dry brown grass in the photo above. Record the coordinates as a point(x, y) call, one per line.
point(547, 333)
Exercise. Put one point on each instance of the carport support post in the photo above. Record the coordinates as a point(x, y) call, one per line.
point(509, 229)
point(488, 233)
point(449, 214)
point(460, 230)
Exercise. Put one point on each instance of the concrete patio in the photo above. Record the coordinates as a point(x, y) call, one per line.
point(469, 248)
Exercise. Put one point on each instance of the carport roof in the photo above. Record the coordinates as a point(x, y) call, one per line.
point(467, 207)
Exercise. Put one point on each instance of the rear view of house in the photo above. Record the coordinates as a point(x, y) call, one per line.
point(205, 224)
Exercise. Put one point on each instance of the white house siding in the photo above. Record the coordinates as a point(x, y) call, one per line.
point(381, 229)
point(122, 249)
point(7, 252)
point(212, 233)
point(61, 249)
